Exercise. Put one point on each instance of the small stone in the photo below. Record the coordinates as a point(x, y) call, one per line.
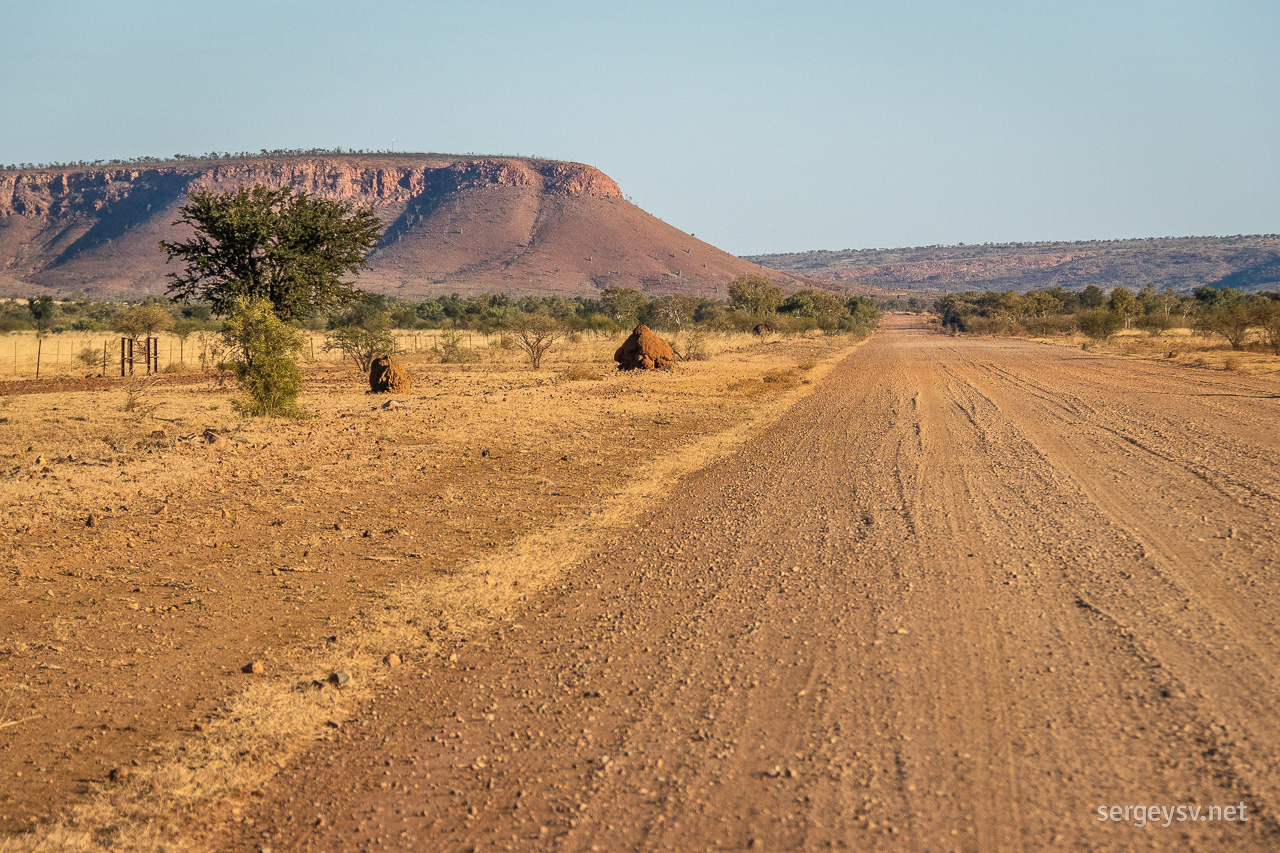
point(119, 774)
point(392, 659)
point(339, 678)
point(254, 668)
point(91, 521)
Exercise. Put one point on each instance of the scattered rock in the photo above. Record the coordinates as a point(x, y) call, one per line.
point(388, 374)
point(91, 521)
point(119, 774)
point(392, 405)
point(644, 350)
point(158, 434)
point(254, 668)
point(214, 439)
point(392, 660)
point(339, 678)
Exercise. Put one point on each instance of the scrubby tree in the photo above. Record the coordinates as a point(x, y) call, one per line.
point(1124, 303)
point(1100, 323)
point(1231, 318)
point(1092, 297)
point(536, 334)
point(282, 246)
point(757, 295)
point(265, 350)
point(1267, 315)
point(673, 311)
point(143, 321)
point(363, 342)
point(43, 311)
point(623, 305)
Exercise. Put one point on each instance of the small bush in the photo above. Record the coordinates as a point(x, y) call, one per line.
point(1100, 324)
point(266, 364)
point(361, 345)
point(89, 356)
point(693, 347)
point(451, 351)
point(1233, 363)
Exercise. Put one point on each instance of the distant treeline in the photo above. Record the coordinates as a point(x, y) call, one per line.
point(1240, 318)
point(753, 300)
point(213, 156)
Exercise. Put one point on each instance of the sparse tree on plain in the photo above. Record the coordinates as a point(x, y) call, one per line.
point(279, 245)
point(362, 344)
point(144, 321)
point(1124, 303)
point(536, 334)
point(755, 294)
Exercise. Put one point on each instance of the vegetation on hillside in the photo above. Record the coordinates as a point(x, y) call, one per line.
point(1245, 262)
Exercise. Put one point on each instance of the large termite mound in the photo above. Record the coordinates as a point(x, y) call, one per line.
point(644, 350)
point(388, 375)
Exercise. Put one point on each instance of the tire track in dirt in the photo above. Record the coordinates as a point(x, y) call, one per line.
point(943, 603)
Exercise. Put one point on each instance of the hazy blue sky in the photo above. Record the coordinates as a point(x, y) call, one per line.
point(760, 126)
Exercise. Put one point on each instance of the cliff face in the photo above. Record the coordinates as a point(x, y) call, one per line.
point(61, 192)
point(453, 224)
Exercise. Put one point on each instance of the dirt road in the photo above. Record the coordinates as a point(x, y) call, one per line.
point(961, 596)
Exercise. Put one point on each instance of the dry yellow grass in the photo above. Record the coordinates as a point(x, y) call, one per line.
point(1178, 346)
point(637, 434)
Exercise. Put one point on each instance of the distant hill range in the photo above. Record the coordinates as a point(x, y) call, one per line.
point(1180, 263)
point(454, 224)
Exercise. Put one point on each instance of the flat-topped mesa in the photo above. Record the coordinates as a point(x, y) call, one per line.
point(50, 191)
point(453, 224)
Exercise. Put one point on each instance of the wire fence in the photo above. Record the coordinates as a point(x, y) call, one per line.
point(90, 354)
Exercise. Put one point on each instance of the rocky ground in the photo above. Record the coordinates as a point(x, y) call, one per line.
point(958, 597)
point(155, 543)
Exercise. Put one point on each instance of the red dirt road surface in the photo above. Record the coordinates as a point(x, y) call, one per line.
point(960, 597)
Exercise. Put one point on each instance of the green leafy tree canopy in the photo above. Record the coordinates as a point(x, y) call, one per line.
point(286, 247)
point(755, 294)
